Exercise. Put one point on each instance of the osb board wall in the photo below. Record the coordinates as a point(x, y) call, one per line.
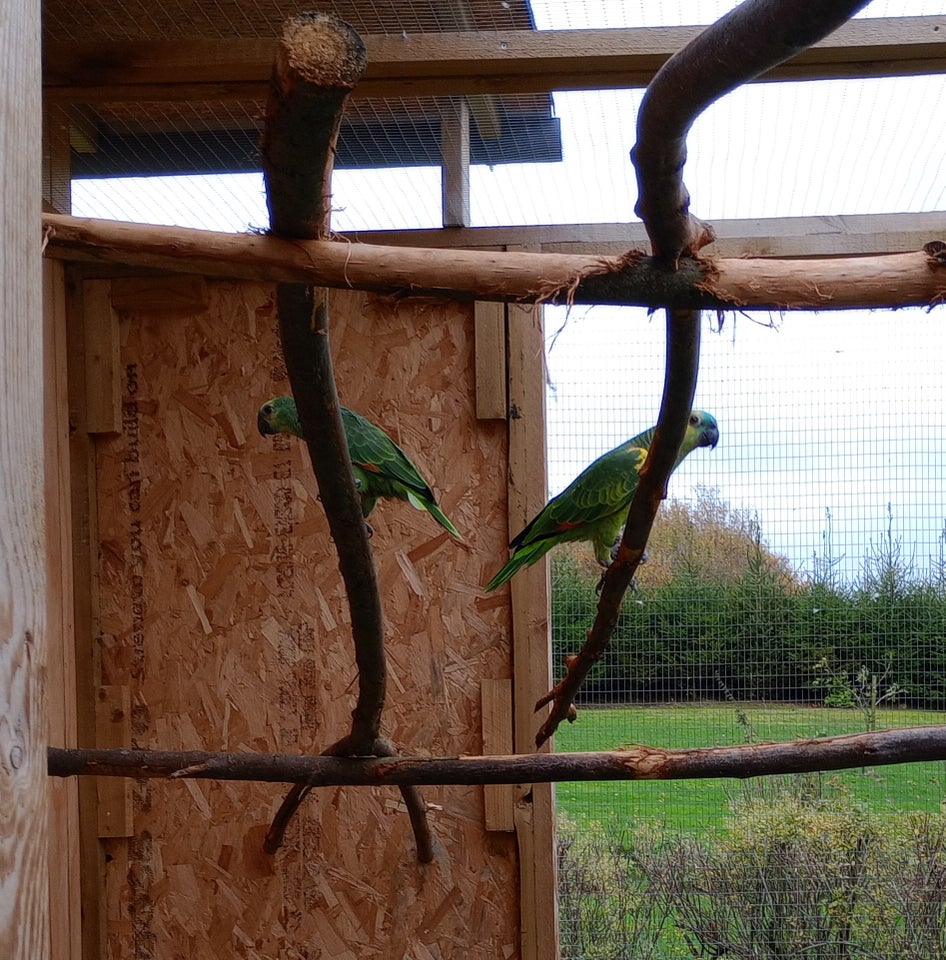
point(222, 610)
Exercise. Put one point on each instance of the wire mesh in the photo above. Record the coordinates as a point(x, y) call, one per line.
point(794, 588)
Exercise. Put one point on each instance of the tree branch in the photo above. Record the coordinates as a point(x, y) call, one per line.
point(319, 59)
point(751, 39)
point(683, 352)
point(828, 283)
point(639, 763)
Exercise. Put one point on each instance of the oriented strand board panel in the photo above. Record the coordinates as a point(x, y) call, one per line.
point(222, 610)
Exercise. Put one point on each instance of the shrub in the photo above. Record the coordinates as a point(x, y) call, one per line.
point(792, 877)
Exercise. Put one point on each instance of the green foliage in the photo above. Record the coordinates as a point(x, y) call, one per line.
point(790, 877)
point(750, 631)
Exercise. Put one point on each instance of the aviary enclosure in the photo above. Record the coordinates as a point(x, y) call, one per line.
point(206, 619)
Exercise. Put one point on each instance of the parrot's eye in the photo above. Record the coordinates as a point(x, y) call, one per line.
point(694, 419)
point(267, 409)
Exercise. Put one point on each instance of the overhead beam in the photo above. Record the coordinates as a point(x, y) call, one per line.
point(442, 64)
point(824, 236)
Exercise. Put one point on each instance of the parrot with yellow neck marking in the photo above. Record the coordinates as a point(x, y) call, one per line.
point(594, 505)
point(381, 467)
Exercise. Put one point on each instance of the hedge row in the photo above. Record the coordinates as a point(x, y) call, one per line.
point(760, 636)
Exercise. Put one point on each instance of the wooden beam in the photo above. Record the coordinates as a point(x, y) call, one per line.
point(103, 402)
point(826, 236)
point(826, 284)
point(496, 706)
point(65, 922)
point(455, 162)
point(451, 64)
point(113, 729)
point(531, 642)
point(489, 358)
point(85, 570)
point(24, 823)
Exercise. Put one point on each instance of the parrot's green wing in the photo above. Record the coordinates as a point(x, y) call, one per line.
point(594, 506)
point(602, 489)
point(386, 468)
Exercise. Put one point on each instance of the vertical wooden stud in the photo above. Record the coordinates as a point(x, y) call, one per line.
point(496, 704)
point(535, 810)
point(57, 166)
point(85, 606)
point(64, 883)
point(489, 349)
point(455, 162)
point(102, 351)
point(113, 729)
point(24, 873)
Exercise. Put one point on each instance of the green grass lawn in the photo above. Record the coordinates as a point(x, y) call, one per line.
point(701, 805)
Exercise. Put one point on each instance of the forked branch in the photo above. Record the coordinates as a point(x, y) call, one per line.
point(319, 59)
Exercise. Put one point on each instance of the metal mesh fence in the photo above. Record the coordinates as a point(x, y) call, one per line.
point(794, 588)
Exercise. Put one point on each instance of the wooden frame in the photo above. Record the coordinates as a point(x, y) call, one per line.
point(467, 63)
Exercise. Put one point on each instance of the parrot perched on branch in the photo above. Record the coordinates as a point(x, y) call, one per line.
point(381, 467)
point(594, 506)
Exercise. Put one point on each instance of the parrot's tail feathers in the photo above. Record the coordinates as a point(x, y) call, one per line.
point(435, 512)
point(444, 521)
point(523, 557)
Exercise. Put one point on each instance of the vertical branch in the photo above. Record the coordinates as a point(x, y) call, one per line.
point(752, 38)
point(318, 61)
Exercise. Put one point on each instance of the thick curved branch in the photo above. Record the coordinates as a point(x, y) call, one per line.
point(640, 763)
point(319, 59)
point(745, 43)
point(683, 352)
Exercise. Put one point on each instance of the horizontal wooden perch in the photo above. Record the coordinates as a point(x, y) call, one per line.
point(903, 279)
point(636, 763)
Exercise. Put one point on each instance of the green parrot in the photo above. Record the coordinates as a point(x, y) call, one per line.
point(381, 467)
point(594, 505)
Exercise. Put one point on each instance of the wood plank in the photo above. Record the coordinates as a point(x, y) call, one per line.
point(24, 822)
point(57, 184)
point(823, 236)
point(489, 355)
point(455, 168)
point(451, 64)
point(175, 296)
point(64, 882)
point(103, 372)
point(496, 705)
point(527, 491)
point(113, 729)
point(85, 597)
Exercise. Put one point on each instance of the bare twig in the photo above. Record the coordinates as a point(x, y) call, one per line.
point(637, 763)
point(303, 114)
point(754, 37)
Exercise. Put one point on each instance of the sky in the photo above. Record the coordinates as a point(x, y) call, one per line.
point(839, 412)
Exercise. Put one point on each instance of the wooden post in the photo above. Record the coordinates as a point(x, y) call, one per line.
point(24, 874)
point(455, 162)
point(535, 809)
point(64, 881)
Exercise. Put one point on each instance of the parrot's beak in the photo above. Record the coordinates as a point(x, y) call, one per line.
point(709, 437)
point(263, 425)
